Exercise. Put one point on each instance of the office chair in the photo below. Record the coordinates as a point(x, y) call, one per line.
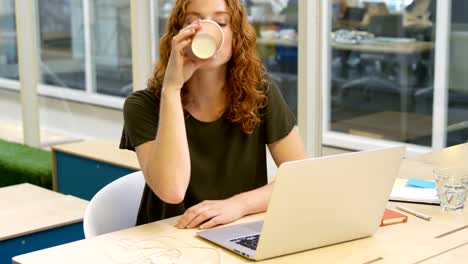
point(115, 206)
point(355, 13)
point(370, 94)
point(369, 86)
point(386, 25)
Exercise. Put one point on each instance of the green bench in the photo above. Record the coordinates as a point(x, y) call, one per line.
point(20, 163)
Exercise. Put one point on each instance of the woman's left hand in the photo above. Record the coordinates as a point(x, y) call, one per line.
point(208, 213)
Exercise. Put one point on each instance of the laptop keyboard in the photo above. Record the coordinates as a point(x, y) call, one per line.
point(248, 241)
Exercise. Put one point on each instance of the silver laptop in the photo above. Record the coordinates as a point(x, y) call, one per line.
point(317, 202)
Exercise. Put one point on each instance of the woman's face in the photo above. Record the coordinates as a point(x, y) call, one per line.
point(215, 10)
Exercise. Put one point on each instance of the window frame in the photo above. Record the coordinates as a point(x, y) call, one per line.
point(439, 127)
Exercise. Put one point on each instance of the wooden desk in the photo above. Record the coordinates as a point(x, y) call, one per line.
point(81, 169)
point(34, 218)
point(421, 166)
point(401, 243)
point(277, 42)
point(386, 47)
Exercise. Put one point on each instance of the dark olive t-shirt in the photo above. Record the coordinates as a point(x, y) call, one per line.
point(224, 160)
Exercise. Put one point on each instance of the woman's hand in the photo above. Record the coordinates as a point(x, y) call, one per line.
point(208, 214)
point(180, 67)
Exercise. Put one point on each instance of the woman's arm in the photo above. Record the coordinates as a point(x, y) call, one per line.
point(165, 161)
point(286, 149)
point(212, 213)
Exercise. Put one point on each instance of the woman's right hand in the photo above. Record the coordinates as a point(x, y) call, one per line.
point(180, 67)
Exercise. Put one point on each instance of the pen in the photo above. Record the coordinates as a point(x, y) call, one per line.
point(417, 214)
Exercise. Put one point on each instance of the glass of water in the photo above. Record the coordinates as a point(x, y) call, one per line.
point(452, 188)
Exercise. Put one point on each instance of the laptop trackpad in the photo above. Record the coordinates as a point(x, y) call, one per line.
point(228, 233)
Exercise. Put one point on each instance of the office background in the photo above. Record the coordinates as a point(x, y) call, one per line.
point(381, 67)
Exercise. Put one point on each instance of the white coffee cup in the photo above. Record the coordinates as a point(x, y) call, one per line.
point(208, 40)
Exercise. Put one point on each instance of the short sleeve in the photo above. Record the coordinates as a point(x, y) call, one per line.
point(278, 118)
point(140, 113)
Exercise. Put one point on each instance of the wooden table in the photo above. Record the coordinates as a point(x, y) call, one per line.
point(401, 243)
point(33, 218)
point(385, 47)
point(421, 166)
point(81, 169)
point(400, 47)
point(411, 242)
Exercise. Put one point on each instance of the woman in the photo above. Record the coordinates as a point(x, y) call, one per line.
point(200, 129)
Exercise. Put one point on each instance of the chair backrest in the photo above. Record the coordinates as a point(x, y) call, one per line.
point(386, 25)
point(354, 13)
point(115, 206)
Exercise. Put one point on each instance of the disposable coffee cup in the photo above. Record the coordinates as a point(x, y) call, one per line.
point(207, 40)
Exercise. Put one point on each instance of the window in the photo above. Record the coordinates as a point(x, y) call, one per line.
point(86, 45)
point(457, 114)
point(112, 47)
point(381, 71)
point(62, 43)
point(8, 54)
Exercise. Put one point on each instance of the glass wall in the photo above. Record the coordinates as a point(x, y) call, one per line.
point(62, 43)
point(112, 47)
point(8, 54)
point(457, 127)
point(382, 69)
point(276, 25)
point(85, 48)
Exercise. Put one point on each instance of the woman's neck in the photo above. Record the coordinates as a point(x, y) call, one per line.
point(206, 92)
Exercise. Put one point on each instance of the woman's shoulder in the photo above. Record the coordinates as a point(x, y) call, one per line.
point(144, 99)
point(142, 95)
point(269, 87)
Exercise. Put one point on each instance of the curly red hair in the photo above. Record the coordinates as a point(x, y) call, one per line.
point(246, 82)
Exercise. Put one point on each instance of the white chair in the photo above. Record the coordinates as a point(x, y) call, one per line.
point(115, 206)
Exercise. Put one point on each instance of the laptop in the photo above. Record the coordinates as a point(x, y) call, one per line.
point(317, 202)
